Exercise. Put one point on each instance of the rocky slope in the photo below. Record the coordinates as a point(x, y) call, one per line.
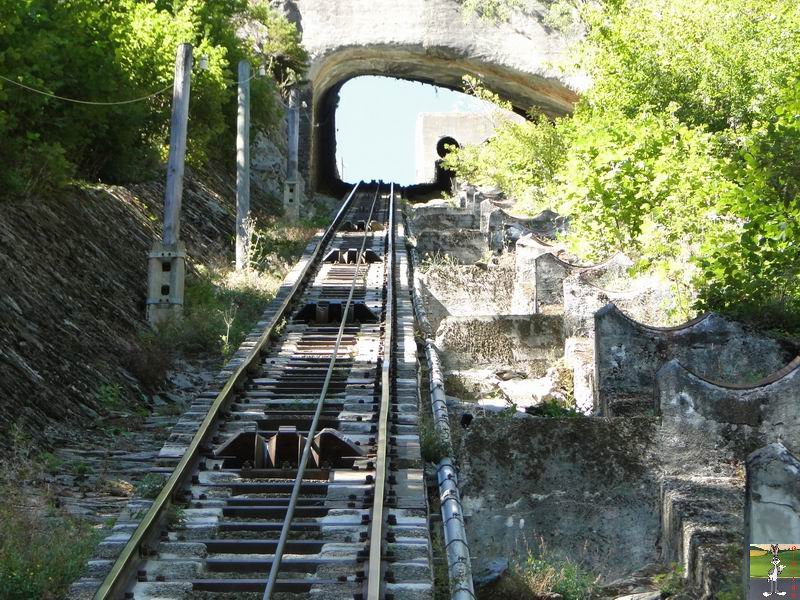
point(73, 290)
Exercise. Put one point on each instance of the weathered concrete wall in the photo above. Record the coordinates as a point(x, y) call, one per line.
point(425, 40)
point(528, 249)
point(585, 488)
point(628, 355)
point(708, 431)
point(647, 301)
point(468, 290)
point(527, 342)
point(706, 434)
point(541, 276)
point(441, 228)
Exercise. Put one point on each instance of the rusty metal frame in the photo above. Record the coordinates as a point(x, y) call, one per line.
point(123, 571)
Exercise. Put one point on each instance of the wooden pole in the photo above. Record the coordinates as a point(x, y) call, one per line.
point(177, 144)
point(293, 131)
point(242, 165)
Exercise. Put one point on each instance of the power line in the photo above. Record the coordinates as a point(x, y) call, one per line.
point(88, 102)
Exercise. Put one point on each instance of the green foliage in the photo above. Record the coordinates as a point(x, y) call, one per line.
point(671, 582)
point(682, 153)
point(491, 10)
point(120, 50)
point(505, 160)
point(150, 486)
point(432, 448)
point(553, 409)
point(109, 395)
point(544, 574)
point(35, 563)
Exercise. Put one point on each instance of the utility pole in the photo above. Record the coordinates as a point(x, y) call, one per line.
point(293, 188)
point(167, 259)
point(243, 166)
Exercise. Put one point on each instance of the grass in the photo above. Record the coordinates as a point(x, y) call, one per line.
point(41, 554)
point(540, 575)
point(432, 448)
point(42, 550)
point(672, 581)
point(150, 486)
point(221, 305)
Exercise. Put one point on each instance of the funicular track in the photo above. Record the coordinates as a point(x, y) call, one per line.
point(304, 478)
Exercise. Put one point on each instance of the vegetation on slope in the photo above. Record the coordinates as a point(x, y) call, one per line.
point(120, 50)
point(683, 152)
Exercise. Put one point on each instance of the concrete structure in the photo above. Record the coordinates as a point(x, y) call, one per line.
point(437, 129)
point(422, 40)
point(628, 355)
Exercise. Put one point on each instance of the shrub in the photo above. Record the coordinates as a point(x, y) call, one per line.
point(35, 563)
point(120, 50)
point(543, 574)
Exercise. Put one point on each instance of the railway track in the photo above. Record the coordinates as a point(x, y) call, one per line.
point(302, 476)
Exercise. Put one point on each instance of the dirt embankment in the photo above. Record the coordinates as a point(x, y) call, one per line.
point(73, 289)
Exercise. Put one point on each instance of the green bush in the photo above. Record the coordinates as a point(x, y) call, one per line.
point(682, 153)
point(35, 563)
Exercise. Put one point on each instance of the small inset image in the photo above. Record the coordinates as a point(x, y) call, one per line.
point(774, 571)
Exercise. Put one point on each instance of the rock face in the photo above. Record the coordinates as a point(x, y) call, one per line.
point(74, 278)
point(425, 40)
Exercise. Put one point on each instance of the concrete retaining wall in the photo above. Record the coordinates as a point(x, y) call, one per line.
point(646, 302)
point(629, 354)
point(528, 342)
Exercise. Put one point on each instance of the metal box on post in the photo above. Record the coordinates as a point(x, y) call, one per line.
point(166, 270)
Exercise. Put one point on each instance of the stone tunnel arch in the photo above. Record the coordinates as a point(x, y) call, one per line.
point(420, 40)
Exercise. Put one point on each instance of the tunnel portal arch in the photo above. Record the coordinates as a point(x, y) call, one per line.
point(428, 41)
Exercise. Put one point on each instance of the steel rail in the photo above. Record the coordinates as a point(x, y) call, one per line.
point(122, 571)
point(375, 578)
point(301, 467)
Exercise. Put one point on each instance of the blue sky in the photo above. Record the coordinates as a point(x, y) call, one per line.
point(376, 120)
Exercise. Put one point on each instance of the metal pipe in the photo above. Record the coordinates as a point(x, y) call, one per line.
point(456, 543)
point(301, 467)
point(455, 533)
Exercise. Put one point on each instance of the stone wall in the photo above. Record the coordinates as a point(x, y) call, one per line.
point(468, 290)
point(582, 488)
point(708, 431)
point(628, 355)
point(773, 506)
point(528, 342)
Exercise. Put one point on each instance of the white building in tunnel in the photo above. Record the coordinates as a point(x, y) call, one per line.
point(435, 130)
